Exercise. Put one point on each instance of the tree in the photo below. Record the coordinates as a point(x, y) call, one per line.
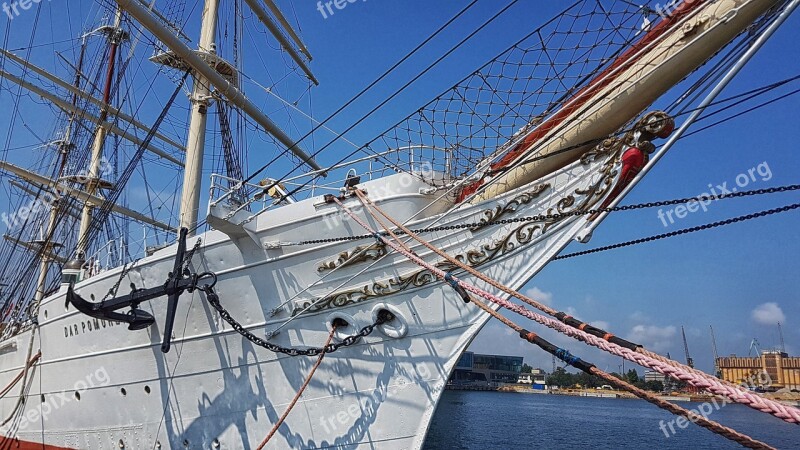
point(560, 378)
point(527, 369)
point(655, 386)
point(632, 377)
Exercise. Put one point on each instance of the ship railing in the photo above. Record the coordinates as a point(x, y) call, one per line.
point(417, 160)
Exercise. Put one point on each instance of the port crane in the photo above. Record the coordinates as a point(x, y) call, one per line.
point(689, 360)
point(754, 344)
point(716, 355)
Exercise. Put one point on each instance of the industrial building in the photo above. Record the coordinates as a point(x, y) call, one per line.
point(783, 371)
point(487, 369)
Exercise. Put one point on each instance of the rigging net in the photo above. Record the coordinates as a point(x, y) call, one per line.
point(507, 97)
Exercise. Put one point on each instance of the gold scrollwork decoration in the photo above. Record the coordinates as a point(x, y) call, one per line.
point(581, 200)
point(357, 255)
point(511, 206)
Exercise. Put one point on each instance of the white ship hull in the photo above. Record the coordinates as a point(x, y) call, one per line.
point(100, 386)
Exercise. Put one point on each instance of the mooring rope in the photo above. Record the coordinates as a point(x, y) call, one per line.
point(19, 376)
point(589, 368)
point(567, 357)
point(695, 378)
point(300, 391)
point(766, 406)
point(30, 363)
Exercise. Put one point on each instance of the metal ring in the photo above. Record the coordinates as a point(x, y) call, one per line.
point(395, 329)
point(213, 283)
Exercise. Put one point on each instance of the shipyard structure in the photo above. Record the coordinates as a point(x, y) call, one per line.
point(771, 370)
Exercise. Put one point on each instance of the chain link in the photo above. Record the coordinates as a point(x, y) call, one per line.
point(187, 258)
point(680, 232)
point(213, 299)
point(114, 289)
point(558, 216)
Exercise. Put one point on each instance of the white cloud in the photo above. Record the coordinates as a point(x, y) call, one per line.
point(602, 324)
point(639, 316)
point(768, 314)
point(653, 337)
point(539, 295)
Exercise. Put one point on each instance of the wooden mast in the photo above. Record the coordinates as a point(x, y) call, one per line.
point(114, 37)
point(195, 145)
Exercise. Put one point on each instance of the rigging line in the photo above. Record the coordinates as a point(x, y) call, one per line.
point(299, 391)
point(383, 103)
point(380, 78)
point(682, 231)
point(112, 197)
point(301, 112)
point(674, 369)
point(16, 108)
point(721, 121)
point(589, 212)
point(44, 45)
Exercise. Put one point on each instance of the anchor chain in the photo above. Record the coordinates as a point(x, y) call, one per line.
point(213, 300)
point(559, 216)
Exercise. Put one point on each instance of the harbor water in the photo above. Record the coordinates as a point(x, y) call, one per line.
point(495, 420)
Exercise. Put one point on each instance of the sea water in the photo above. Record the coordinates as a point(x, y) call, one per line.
point(496, 420)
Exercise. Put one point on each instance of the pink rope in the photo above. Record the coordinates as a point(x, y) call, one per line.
point(695, 378)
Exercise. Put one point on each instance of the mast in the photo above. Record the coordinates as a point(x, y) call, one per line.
point(114, 37)
point(195, 145)
point(64, 147)
point(209, 70)
point(48, 248)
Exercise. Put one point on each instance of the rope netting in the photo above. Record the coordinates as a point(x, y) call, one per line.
point(514, 92)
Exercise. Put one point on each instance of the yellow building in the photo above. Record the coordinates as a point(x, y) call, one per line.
point(772, 369)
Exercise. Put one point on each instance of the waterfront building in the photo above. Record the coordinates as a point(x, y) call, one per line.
point(536, 376)
point(782, 370)
point(494, 369)
point(652, 375)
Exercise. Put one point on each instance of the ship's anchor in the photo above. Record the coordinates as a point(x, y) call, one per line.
point(180, 280)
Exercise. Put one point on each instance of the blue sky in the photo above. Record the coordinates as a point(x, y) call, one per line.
point(720, 278)
point(645, 293)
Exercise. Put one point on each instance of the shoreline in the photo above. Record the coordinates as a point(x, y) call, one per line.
point(596, 393)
